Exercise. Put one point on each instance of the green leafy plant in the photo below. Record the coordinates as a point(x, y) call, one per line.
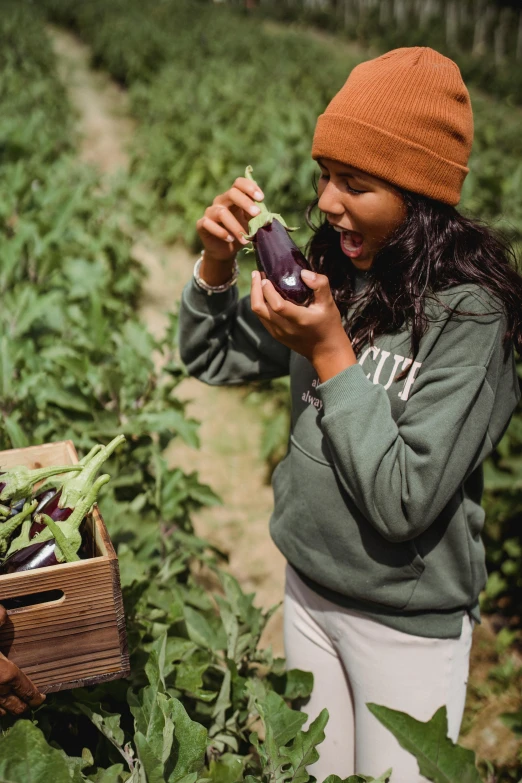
point(439, 758)
point(203, 701)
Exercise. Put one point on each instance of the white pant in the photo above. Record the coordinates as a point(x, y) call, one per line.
point(356, 660)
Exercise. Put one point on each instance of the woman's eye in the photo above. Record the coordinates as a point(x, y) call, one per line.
point(350, 189)
point(324, 176)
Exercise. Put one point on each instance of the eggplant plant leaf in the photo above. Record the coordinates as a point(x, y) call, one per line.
point(190, 744)
point(114, 774)
point(439, 759)
point(109, 725)
point(303, 750)
point(15, 432)
point(172, 421)
point(227, 769)
point(286, 750)
point(26, 757)
point(170, 745)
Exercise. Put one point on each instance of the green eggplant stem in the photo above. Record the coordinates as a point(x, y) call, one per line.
point(8, 528)
point(265, 216)
point(57, 483)
point(90, 454)
point(84, 505)
point(65, 547)
point(19, 480)
point(78, 486)
point(261, 204)
point(22, 540)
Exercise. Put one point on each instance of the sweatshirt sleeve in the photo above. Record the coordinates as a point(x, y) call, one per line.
point(222, 342)
point(401, 474)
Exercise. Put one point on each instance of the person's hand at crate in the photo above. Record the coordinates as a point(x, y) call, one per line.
point(17, 692)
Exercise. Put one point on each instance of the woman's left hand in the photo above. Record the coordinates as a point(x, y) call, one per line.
point(315, 332)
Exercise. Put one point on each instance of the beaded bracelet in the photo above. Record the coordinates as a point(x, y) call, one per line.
point(215, 289)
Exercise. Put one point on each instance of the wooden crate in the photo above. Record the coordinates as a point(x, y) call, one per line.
point(78, 638)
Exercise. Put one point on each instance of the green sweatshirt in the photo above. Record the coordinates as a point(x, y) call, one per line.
point(377, 503)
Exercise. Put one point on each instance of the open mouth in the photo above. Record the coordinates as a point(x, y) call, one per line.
point(351, 242)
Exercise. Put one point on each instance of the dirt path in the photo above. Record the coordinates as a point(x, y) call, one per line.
point(228, 458)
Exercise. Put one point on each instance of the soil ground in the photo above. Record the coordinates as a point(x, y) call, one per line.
point(230, 432)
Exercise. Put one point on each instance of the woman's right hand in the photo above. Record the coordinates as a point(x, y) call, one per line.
point(17, 692)
point(223, 226)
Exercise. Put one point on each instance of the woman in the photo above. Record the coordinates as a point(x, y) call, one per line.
point(403, 381)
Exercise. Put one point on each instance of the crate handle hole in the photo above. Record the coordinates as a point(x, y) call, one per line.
point(32, 599)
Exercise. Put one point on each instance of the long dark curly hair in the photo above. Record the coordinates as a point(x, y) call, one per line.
point(434, 249)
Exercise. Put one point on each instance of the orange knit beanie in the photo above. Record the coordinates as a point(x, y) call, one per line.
point(404, 117)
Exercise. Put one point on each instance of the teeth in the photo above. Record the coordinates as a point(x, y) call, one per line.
point(350, 245)
point(344, 231)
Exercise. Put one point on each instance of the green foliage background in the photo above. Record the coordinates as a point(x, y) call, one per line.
point(211, 91)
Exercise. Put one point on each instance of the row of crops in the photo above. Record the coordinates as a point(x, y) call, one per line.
point(211, 93)
point(485, 37)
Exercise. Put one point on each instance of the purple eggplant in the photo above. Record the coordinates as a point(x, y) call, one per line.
point(33, 556)
point(49, 505)
point(278, 257)
point(17, 507)
point(280, 260)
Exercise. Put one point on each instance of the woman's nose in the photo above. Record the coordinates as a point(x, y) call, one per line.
point(329, 201)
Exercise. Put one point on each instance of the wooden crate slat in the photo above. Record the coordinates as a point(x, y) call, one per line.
point(102, 664)
point(59, 453)
point(32, 656)
point(76, 678)
point(27, 638)
point(95, 678)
